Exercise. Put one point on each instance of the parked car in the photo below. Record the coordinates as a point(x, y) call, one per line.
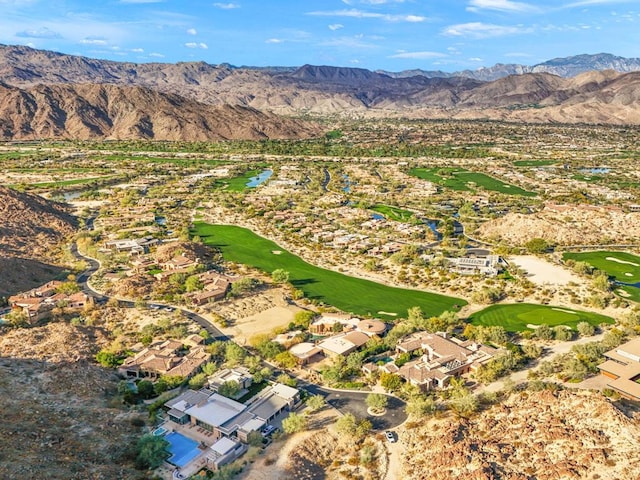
point(391, 437)
point(268, 430)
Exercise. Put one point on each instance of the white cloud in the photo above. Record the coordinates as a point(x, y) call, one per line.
point(502, 6)
point(355, 13)
point(335, 26)
point(42, 32)
point(226, 6)
point(156, 55)
point(201, 45)
point(137, 50)
point(348, 42)
point(274, 40)
point(192, 31)
point(141, 1)
point(478, 30)
point(588, 3)
point(418, 55)
point(93, 41)
point(475, 59)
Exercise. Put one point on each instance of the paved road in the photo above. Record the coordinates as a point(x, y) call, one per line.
point(343, 400)
point(94, 265)
point(347, 401)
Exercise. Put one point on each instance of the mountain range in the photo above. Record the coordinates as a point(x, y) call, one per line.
point(47, 94)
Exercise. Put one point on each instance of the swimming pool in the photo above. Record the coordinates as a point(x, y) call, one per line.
point(159, 431)
point(182, 449)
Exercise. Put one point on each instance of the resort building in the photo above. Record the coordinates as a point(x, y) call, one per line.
point(622, 368)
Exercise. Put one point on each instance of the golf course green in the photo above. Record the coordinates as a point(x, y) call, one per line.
point(351, 294)
point(464, 180)
point(517, 317)
point(620, 266)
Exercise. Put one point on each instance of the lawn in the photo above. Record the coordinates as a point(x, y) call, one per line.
point(393, 213)
point(355, 295)
point(621, 266)
point(515, 317)
point(463, 180)
point(534, 163)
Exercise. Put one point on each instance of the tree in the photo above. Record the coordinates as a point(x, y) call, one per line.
point(294, 423)
point(145, 389)
point(286, 360)
point(229, 389)
point(286, 380)
point(464, 405)
point(544, 332)
point(377, 402)
point(107, 359)
point(193, 283)
point(420, 406)
point(585, 329)
point(537, 245)
point(234, 354)
point(390, 382)
point(279, 276)
point(151, 451)
point(562, 333)
point(303, 318)
point(198, 381)
point(315, 403)
point(254, 439)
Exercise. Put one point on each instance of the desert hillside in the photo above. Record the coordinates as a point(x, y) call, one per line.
point(29, 227)
point(543, 435)
point(91, 111)
point(63, 425)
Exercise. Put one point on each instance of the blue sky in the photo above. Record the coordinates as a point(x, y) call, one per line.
point(393, 35)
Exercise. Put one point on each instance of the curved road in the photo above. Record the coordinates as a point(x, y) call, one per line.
point(345, 401)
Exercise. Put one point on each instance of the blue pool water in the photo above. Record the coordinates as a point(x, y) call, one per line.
point(159, 431)
point(182, 449)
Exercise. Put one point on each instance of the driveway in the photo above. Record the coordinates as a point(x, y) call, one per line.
point(348, 401)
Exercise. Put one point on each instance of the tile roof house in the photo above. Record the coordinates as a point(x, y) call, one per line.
point(622, 368)
point(343, 344)
point(442, 359)
point(166, 358)
point(38, 303)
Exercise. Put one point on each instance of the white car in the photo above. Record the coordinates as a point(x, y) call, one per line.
point(390, 436)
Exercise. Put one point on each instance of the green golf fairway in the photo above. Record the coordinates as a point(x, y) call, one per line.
point(515, 317)
point(351, 294)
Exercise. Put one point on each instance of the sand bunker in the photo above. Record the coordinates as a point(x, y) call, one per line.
point(627, 274)
point(542, 272)
point(276, 252)
point(613, 259)
point(623, 293)
point(565, 311)
point(388, 313)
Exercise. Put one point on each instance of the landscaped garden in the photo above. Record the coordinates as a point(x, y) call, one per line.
point(351, 294)
point(517, 317)
point(620, 266)
point(464, 180)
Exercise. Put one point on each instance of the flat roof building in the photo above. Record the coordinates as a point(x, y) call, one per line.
point(622, 367)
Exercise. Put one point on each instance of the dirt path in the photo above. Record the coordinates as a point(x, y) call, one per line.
point(394, 466)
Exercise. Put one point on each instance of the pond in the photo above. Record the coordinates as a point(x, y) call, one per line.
point(347, 184)
point(433, 226)
point(161, 221)
point(259, 179)
point(596, 171)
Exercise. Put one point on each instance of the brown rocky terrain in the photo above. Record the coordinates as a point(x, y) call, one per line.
point(572, 225)
point(54, 100)
point(543, 435)
point(60, 422)
point(91, 111)
point(29, 227)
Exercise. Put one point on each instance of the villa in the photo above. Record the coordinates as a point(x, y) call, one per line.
point(171, 357)
point(38, 303)
point(622, 367)
point(442, 359)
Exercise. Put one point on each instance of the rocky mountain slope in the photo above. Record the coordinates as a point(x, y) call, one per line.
point(563, 67)
point(50, 94)
point(543, 435)
point(92, 111)
point(29, 227)
point(62, 425)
